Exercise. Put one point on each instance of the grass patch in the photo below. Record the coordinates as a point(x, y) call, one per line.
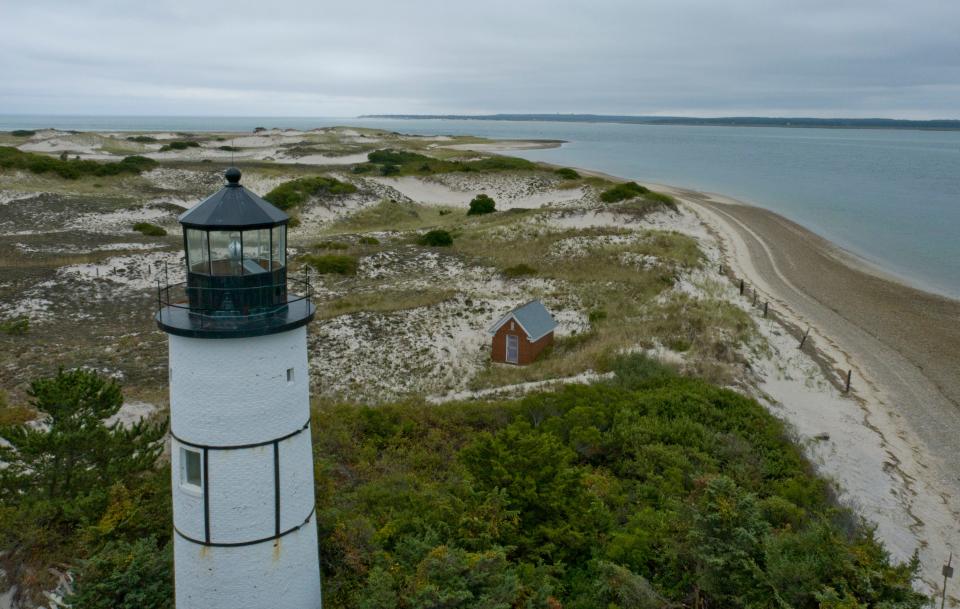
point(11, 158)
point(404, 162)
point(436, 238)
point(330, 245)
point(296, 192)
point(179, 145)
point(382, 301)
point(568, 174)
point(23, 133)
point(519, 270)
point(18, 326)
point(327, 264)
point(622, 192)
point(150, 230)
point(393, 215)
point(367, 240)
point(142, 139)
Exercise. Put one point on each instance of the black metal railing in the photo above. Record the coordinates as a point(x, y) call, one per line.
point(205, 307)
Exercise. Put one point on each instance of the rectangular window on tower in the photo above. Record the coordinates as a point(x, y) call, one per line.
point(191, 471)
point(289, 375)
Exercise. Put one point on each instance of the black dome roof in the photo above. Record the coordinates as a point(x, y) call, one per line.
point(233, 207)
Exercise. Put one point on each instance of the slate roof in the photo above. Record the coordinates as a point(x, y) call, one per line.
point(533, 317)
point(233, 207)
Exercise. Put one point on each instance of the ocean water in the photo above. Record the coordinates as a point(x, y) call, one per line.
point(890, 196)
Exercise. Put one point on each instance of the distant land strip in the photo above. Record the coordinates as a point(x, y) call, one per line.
point(733, 121)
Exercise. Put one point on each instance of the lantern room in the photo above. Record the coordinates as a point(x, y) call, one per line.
point(236, 267)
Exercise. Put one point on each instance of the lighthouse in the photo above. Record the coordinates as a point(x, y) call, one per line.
point(245, 533)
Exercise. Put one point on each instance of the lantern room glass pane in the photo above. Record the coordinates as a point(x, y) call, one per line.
point(225, 252)
point(256, 251)
point(197, 251)
point(279, 255)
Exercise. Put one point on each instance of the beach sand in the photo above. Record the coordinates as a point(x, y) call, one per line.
point(902, 345)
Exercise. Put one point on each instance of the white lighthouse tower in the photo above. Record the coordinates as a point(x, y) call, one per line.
point(243, 496)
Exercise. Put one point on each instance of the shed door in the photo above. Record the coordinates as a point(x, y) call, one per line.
point(513, 348)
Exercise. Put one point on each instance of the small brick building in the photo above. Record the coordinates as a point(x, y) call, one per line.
point(520, 335)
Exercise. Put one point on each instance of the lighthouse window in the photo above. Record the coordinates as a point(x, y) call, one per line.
point(289, 375)
point(190, 470)
point(256, 251)
point(279, 246)
point(197, 251)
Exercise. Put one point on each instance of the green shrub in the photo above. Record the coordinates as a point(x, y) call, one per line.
point(622, 192)
point(367, 240)
point(229, 148)
point(567, 173)
point(331, 264)
point(361, 169)
point(636, 370)
point(330, 245)
point(142, 139)
point(519, 270)
point(150, 230)
point(17, 326)
point(12, 158)
point(23, 133)
point(482, 204)
point(436, 238)
point(296, 192)
point(179, 145)
point(125, 575)
point(397, 162)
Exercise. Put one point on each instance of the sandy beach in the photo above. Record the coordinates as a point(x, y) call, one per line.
point(901, 344)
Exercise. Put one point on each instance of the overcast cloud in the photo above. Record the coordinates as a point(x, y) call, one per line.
point(324, 58)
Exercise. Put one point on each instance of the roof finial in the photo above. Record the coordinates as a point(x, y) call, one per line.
point(233, 175)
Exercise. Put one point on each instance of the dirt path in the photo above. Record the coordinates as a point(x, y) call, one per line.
point(902, 344)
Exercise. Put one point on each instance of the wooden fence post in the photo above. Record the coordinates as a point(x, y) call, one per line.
point(804, 339)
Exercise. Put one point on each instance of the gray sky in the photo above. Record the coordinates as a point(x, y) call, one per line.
point(325, 58)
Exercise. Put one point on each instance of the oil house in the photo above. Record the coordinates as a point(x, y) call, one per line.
point(522, 334)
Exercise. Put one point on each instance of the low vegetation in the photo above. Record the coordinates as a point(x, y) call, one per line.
point(142, 139)
point(12, 158)
point(382, 300)
point(325, 264)
point(519, 270)
point(150, 230)
point(17, 326)
point(297, 192)
point(179, 145)
point(482, 204)
point(649, 491)
point(567, 173)
point(229, 148)
point(403, 162)
point(622, 192)
point(330, 245)
point(435, 238)
point(23, 133)
point(367, 240)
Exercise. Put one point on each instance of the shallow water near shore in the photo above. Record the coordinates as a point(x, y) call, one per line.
point(890, 196)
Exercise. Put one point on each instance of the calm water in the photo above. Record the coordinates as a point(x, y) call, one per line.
point(893, 197)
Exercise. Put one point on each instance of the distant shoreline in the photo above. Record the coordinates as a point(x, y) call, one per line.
point(732, 121)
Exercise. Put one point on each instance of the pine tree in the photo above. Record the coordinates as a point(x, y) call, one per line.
point(71, 451)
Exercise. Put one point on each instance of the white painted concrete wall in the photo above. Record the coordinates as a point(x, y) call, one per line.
point(228, 392)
